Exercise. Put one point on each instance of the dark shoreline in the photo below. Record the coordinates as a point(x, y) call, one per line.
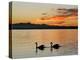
point(43, 28)
point(38, 26)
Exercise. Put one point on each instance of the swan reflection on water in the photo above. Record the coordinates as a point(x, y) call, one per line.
point(42, 47)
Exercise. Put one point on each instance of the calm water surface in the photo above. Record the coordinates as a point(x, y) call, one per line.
point(24, 42)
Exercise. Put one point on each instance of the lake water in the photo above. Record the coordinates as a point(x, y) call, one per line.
point(23, 42)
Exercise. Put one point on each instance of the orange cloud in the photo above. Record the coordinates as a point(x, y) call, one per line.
point(58, 20)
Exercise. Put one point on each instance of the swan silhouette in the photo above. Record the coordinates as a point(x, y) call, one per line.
point(41, 47)
point(55, 46)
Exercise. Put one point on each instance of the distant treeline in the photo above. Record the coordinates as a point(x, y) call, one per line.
point(38, 26)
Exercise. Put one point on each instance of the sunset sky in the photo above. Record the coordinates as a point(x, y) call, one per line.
point(33, 12)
